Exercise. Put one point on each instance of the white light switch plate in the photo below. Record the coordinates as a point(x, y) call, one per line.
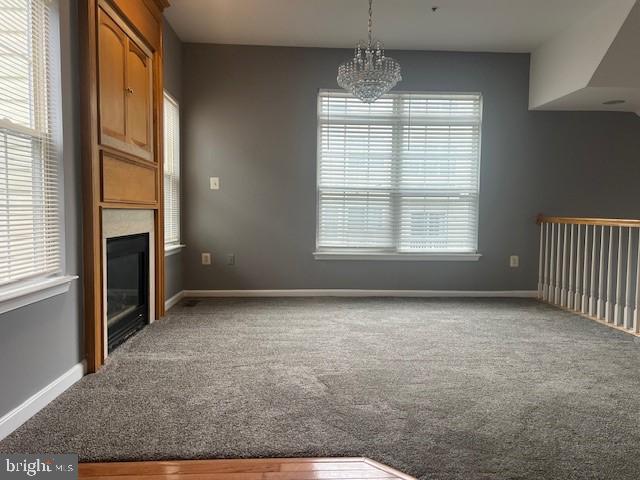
point(514, 261)
point(206, 259)
point(214, 183)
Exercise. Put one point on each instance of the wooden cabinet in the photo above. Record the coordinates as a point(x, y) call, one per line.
point(120, 44)
point(139, 97)
point(113, 82)
point(125, 88)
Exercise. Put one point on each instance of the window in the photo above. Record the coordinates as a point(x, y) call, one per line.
point(398, 178)
point(171, 173)
point(30, 167)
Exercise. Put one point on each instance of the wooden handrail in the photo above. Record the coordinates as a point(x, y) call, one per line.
point(609, 222)
point(592, 271)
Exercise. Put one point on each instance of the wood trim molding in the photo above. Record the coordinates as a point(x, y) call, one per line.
point(120, 146)
point(128, 205)
point(137, 13)
point(337, 468)
point(92, 220)
point(608, 222)
point(129, 159)
point(158, 117)
point(388, 469)
point(161, 4)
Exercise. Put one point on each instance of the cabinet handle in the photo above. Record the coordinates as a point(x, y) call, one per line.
point(129, 90)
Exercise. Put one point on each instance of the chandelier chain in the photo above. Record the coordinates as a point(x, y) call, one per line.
point(370, 21)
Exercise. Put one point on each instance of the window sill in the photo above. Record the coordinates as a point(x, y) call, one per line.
point(173, 250)
point(414, 257)
point(32, 292)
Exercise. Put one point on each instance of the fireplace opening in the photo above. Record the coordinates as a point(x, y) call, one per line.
point(127, 287)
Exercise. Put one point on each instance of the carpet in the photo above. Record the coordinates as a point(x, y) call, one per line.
point(437, 388)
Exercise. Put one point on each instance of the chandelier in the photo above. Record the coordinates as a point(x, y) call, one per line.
point(369, 74)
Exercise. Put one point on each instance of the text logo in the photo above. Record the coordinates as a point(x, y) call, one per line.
point(44, 466)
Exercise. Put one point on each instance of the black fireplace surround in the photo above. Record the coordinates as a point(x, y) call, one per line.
point(127, 287)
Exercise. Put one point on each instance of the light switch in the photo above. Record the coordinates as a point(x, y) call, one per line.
point(214, 183)
point(206, 259)
point(514, 261)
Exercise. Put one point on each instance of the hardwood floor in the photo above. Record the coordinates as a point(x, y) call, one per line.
point(245, 469)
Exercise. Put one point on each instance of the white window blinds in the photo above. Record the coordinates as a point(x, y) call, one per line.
point(400, 175)
point(171, 171)
point(30, 193)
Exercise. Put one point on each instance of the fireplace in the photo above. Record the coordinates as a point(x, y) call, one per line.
point(127, 287)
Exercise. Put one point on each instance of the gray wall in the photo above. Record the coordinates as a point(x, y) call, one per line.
point(173, 84)
point(40, 342)
point(249, 117)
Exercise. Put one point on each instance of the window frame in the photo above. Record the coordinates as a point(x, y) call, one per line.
point(173, 247)
point(40, 286)
point(346, 253)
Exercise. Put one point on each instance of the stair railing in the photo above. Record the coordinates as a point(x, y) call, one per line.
point(592, 266)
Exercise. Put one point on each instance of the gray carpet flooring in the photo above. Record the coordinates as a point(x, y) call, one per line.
point(441, 389)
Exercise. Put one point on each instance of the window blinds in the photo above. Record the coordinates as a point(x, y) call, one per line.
point(171, 171)
point(398, 175)
point(30, 214)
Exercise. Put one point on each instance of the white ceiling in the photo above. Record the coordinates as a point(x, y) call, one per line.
point(465, 25)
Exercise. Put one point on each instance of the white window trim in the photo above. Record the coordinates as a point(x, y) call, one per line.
point(396, 256)
point(173, 249)
point(29, 291)
point(26, 293)
point(414, 257)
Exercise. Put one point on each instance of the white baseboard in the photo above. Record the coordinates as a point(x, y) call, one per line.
point(360, 293)
point(32, 405)
point(170, 302)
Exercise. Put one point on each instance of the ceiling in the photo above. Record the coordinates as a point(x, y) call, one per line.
point(465, 25)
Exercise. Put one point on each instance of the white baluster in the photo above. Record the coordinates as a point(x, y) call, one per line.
point(627, 285)
point(556, 294)
point(545, 286)
point(585, 276)
point(608, 304)
point(571, 293)
point(636, 321)
point(592, 289)
point(600, 310)
point(540, 260)
point(616, 308)
point(563, 289)
point(576, 301)
point(550, 293)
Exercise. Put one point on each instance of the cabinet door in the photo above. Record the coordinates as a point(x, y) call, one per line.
point(112, 57)
point(139, 98)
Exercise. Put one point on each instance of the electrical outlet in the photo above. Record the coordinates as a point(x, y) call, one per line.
point(231, 259)
point(214, 183)
point(514, 261)
point(206, 259)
